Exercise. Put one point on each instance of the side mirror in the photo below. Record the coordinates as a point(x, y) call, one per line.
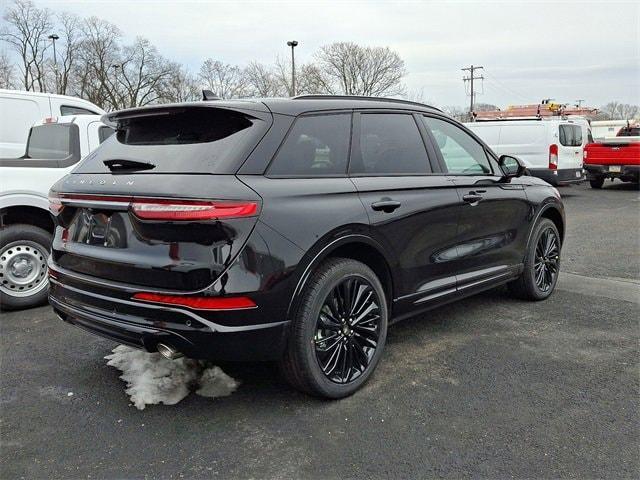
point(511, 167)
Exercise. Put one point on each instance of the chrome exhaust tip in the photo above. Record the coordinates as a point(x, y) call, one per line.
point(168, 352)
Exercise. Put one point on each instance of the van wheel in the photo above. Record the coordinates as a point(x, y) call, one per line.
point(23, 266)
point(542, 265)
point(596, 182)
point(338, 332)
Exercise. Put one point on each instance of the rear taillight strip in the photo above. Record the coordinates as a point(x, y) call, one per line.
point(167, 209)
point(198, 303)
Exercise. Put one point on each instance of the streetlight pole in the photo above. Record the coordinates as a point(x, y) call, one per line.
point(53, 37)
point(293, 44)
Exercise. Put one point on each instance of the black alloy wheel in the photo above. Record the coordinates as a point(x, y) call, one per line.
point(347, 330)
point(547, 259)
point(339, 330)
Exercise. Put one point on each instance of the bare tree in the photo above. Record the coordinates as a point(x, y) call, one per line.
point(354, 70)
point(459, 113)
point(261, 81)
point(224, 80)
point(179, 86)
point(6, 71)
point(142, 73)
point(618, 111)
point(310, 79)
point(99, 63)
point(69, 51)
point(26, 32)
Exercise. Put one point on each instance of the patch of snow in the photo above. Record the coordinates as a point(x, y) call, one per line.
point(215, 383)
point(152, 379)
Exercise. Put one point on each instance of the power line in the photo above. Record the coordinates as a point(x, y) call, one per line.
point(505, 87)
point(470, 79)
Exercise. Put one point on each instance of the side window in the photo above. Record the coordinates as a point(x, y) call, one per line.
point(316, 146)
point(390, 144)
point(71, 110)
point(570, 135)
point(104, 133)
point(462, 154)
point(50, 142)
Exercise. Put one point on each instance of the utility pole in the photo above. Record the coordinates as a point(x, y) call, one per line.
point(293, 44)
point(471, 78)
point(579, 102)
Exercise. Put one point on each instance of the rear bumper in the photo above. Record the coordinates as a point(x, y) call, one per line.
point(627, 172)
point(144, 326)
point(562, 176)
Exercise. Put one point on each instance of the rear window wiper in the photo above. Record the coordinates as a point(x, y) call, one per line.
point(121, 165)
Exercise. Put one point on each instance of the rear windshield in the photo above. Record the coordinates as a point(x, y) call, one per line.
point(52, 141)
point(180, 140)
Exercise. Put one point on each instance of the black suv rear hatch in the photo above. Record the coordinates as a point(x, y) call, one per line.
point(158, 204)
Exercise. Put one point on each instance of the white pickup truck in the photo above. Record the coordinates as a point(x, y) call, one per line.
point(54, 147)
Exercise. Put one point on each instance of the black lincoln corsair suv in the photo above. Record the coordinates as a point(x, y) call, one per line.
point(294, 230)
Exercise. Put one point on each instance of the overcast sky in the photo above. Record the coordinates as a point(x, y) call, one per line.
point(530, 50)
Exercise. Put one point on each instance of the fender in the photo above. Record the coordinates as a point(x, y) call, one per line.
point(24, 199)
point(549, 204)
point(323, 252)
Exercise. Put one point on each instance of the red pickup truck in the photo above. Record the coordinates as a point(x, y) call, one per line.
point(615, 157)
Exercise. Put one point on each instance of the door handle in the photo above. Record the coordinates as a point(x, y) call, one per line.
point(385, 205)
point(472, 198)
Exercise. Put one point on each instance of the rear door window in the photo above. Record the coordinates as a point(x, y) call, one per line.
point(180, 140)
point(52, 142)
point(390, 144)
point(570, 135)
point(316, 146)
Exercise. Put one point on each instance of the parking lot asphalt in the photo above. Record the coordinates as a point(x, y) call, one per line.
point(488, 387)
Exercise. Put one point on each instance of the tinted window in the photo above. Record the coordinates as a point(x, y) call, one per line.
point(49, 142)
point(462, 154)
point(390, 144)
point(180, 140)
point(104, 133)
point(71, 110)
point(570, 135)
point(315, 146)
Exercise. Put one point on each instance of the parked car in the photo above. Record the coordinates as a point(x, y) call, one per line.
point(294, 230)
point(551, 148)
point(20, 110)
point(53, 149)
point(614, 157)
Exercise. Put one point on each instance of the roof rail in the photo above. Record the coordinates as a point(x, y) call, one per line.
point(363, 98)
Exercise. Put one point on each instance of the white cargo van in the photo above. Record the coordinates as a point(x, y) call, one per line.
point(551, 148)
point(20, 110)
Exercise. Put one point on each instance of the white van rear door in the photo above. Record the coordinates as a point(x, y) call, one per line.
point(570, 142)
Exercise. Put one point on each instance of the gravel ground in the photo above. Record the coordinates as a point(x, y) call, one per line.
point(487, 387)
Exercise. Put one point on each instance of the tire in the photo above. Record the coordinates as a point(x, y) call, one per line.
point(597, 182)
point(527, 287)
point(23, 266)
point(311, 346)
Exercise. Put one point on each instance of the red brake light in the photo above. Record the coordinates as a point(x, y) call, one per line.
point(198, 303)
point(168, 209)
point(55, 205)
point(553, 156)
